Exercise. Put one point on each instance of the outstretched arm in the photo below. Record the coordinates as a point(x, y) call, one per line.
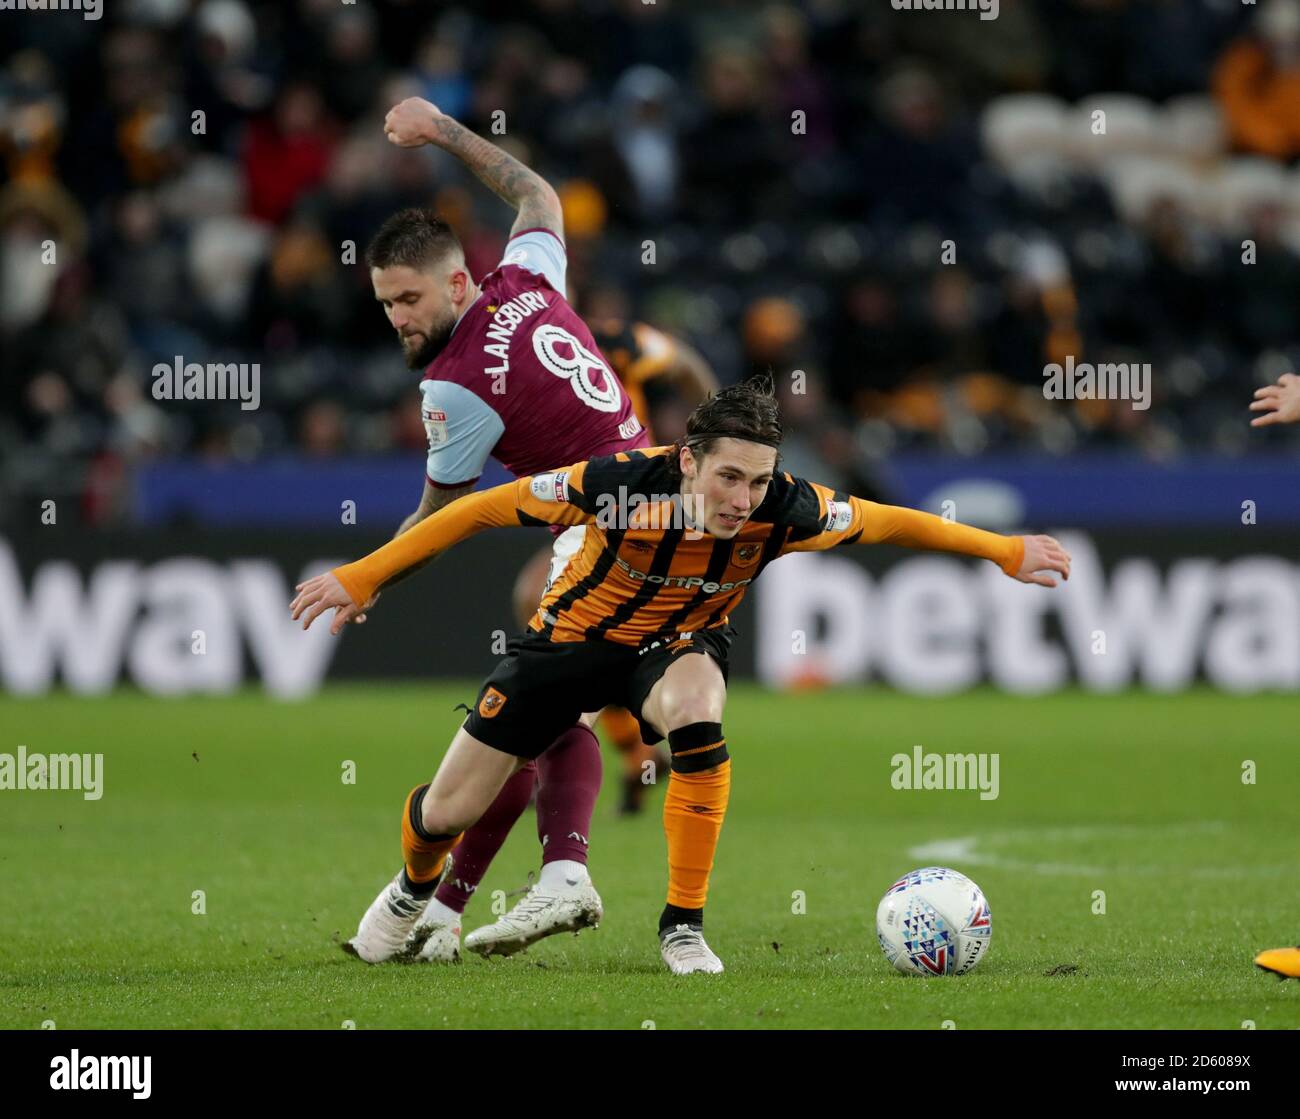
point(434, 498)
point(348, 590)
point(1026, 558)
point(415, 121)
point(855, 520)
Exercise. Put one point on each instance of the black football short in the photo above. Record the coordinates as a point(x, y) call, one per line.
point(541, 687)
point(655, 658)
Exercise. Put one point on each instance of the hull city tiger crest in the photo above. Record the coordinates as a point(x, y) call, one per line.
point(745, 555)
point(491, 703)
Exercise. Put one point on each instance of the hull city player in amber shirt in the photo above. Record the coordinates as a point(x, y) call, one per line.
point(511, 372)
point(675, 536)
point(647, 361)
point(644, 360)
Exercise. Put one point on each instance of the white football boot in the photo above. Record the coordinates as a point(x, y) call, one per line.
point(384, 930)
point(543, 911)
point(435, 937)
point(684, 951)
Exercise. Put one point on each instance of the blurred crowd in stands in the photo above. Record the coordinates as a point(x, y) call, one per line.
point(914, 208)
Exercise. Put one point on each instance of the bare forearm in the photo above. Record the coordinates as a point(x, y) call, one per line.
point(515, 184)
point(416, 121)
point(433, 499)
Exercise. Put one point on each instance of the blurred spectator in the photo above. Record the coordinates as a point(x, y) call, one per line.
point(735, 164)
point(143, 261)
point(352, 65)
point(296, 299)
point(1257, 81)
point(42, 233)
point(918, 158)
point(797, 87)
point(323, 431)
point(221, 73)
point(287, 153)
point(1010, 52)
point(637, 163)
point(1262, 300)
point(440, 66)
point(200, 180)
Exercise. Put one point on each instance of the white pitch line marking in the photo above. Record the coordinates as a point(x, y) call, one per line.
point(966, 850)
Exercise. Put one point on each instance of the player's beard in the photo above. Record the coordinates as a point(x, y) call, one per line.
point(435, 341)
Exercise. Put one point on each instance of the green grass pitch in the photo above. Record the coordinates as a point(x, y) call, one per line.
point(1139, 796)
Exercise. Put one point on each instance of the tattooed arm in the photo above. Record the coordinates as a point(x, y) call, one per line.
point(435, 497)
point(415, 121)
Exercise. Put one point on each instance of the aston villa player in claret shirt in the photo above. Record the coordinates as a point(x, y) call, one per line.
point(640, 617)
point(511, 372)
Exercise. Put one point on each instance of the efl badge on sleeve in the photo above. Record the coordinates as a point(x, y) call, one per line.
point(435, 424)
point(551, 487)
point(839, 515)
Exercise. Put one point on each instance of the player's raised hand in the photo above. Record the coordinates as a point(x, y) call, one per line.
point(317, 595)
point(1280, 403)
point(1043, 554)
point(412, 122)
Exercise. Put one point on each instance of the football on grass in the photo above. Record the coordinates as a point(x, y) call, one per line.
point(934, 921)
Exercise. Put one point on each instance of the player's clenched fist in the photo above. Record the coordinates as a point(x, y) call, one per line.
point(1043, 554)
point(322, 593)
point(1280, 403)
point(412, 122)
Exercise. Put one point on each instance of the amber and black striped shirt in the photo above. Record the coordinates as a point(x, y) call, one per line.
point(643, 572)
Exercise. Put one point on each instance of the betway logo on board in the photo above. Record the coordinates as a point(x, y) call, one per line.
point(173, 627)
point(936, 624)
point(927, 624)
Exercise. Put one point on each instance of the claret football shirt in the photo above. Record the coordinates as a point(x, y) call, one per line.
point(521, 379)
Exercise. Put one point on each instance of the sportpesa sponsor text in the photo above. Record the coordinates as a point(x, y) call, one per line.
point(708, 587)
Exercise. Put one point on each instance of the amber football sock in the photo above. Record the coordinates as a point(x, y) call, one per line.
point(694, 809)
point(423, 854)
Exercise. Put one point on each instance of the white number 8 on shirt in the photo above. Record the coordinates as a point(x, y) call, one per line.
point(577, 369)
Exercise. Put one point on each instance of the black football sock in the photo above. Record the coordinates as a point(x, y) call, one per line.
point(674, 915)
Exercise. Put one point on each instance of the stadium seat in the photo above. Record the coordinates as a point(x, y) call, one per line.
point(1192, 127)
point(1135, 181)
point(1291, 234)
point(1023, 124)
point(209, 187)
point(1132, 125)
point(1293, 193)
point(1037, 172)
point(1247, 182)
point(223, 254)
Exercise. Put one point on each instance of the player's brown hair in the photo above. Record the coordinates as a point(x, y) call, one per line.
point(414, 237)
point(747, 411)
